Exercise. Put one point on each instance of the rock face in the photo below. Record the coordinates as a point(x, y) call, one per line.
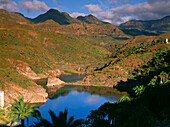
point(24, 69)
point(55, 72)
point(35, 94)
point(53, 81)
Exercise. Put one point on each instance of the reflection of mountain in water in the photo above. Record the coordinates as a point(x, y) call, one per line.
point(77, 100)
point(71, 78)
point(63, 92)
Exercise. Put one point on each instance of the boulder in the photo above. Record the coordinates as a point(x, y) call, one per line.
point(53, 80)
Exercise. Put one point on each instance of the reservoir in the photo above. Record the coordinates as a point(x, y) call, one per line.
point(78, 100)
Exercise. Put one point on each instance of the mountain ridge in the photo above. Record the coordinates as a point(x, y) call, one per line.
point(60, 17)
point(63, 18)
point(159, 25)
point(90, 19)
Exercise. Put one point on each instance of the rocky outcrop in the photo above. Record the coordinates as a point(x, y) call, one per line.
point(24, 69)
point(53, 80)
point(35, 94)
point(56, 72)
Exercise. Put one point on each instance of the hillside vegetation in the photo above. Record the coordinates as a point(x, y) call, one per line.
point(42, 50)
point(135, 53)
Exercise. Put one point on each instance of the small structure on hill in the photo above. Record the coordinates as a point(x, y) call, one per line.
point(2, 99)
point(166, 40)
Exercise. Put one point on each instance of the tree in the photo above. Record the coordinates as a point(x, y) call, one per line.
point(20, 110)
point(3, 117)
point(139, 89)
point(60, 121)
point(124, 98)
point(163, 76)
point(153, 82)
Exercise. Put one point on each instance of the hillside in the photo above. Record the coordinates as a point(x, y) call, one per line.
point(104, 52)
point(155, 26)
point(23, 46)
point(88, 28)
point(99, 35)
point(90, 19)
point(135, 53)
point(55, 15)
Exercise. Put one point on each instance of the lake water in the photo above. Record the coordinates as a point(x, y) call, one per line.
point(71, 78)
point(79, 101)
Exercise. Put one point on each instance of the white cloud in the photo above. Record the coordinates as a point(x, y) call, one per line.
point(8, 5)
point(116, 2)
point(76, 14)
point(92, 100)
point(33, 5)
point(149, 10)
point(93, 8)
point(4, 1)
point(107, 20)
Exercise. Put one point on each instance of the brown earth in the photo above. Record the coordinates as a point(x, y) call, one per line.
point(35, 94)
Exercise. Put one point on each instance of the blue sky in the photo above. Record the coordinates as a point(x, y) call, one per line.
point(113, 11)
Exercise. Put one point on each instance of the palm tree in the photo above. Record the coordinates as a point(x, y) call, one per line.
point(60, 121)
point(163, 76)
point(20, 110)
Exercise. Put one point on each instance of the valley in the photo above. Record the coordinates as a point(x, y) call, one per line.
point(35, 53)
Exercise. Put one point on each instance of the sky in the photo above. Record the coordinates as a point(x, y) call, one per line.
point(113, 11)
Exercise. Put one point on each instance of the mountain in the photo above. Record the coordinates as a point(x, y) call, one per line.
point(98, 35)
point(90, 19)
point(61, 18)
point(87, 28)
point(158, 26)
point(41, 50)
point(64, 18)
point(12, 17)
point(137, 32)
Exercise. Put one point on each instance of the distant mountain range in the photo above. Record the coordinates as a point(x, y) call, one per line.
point(133, 27)
point(64, 18)
point(151, 26)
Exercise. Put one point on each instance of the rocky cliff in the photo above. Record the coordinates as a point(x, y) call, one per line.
point(53, 80)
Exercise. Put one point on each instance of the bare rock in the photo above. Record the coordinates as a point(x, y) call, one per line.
point(35, 94)
point(56, 72)
point(53, 80)
point(24, 69)
point(86, 79)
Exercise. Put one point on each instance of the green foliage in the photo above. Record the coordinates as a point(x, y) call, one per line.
point(60, 121)
point(163, 76)
point(10, 75)
point(124, 99)
point(151, 109)
point(139, 89)
point(153, 82)
point(20, 110)
point(3, 116)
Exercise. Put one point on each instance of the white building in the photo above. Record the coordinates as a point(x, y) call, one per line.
point(2, 99)
point(166, 40)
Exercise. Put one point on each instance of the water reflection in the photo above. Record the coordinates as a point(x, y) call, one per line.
point(78, 102)
point(71, 78)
